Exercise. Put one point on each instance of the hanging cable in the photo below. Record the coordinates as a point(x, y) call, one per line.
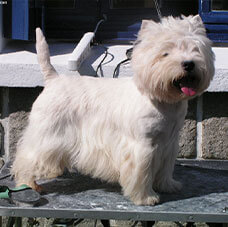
point(158, 9)
point(99, 22)
point(100, 64)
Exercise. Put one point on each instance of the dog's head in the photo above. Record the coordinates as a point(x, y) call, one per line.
point(173, 60)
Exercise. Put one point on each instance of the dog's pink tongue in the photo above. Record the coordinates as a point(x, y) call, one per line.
point(188, 91)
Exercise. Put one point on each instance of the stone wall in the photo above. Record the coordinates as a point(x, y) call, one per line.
point(16, 104)
point(205, 132)
point(188, 134)
point(204, 135)
point(215, 126)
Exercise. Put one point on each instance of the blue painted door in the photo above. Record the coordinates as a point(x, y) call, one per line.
point(125, 16)
point(20, 19)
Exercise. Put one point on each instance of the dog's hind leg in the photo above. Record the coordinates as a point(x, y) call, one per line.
point(27, 171)
point(23, 172)
point(34, 162)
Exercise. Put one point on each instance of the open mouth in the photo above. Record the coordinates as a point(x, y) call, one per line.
point(187, 84)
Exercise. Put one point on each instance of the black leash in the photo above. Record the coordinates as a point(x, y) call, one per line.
point(116, 70)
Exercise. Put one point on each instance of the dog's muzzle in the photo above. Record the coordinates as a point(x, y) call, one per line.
point(187, 84)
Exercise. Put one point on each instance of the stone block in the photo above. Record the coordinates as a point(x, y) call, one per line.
point(187, 140)
point(215, 126)
point(17, 123)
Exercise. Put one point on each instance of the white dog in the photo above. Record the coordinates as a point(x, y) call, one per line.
point(119, 130)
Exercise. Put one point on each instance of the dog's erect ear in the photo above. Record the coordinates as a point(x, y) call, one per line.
point(146, 23)
point(196, 20)
point(197, 25)
point(147, 27)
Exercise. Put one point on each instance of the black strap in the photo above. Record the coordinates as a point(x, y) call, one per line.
point(116, 70)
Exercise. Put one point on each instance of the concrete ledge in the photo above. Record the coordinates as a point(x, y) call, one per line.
point(25, 75)
point(19, 67)
point(220, 81)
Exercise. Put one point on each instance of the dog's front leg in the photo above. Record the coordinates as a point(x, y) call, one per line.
point(164, 181)
point(136, 176)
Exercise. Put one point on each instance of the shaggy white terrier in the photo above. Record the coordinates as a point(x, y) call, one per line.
point(120, 130)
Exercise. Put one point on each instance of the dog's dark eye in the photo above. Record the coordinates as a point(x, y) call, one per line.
point(165, 54)
point(196, 49)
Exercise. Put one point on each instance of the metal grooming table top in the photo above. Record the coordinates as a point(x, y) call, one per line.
point(204, 198)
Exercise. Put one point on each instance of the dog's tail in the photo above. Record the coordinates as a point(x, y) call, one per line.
point(43, 56)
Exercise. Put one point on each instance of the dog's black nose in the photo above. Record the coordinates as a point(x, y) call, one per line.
point(188, 65)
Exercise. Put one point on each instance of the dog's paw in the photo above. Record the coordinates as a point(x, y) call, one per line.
point(147, 201)
point(38, 188)
point(31, 184)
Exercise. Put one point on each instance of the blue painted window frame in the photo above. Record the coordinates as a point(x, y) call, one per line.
point(216, 22)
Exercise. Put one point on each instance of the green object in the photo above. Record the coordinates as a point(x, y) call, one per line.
point(5, 190)
point(22, 193)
